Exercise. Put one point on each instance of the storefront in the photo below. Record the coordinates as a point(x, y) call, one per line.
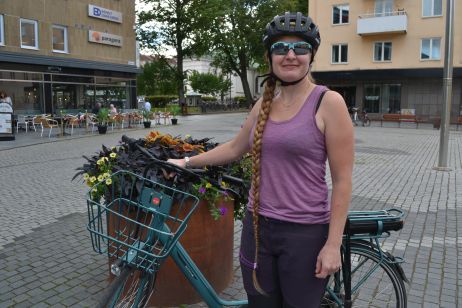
point(38, 85)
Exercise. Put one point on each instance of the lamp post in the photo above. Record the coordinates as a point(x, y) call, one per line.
point(447, 88)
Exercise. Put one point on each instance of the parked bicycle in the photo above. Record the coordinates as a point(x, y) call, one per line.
point(139, 222)
point(361, 117)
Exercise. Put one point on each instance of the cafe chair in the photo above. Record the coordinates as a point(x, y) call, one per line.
point(23, 122)
point(47, 123)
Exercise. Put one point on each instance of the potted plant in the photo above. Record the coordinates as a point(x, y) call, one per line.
point(175, 111)
point(147, 116)
point(102, 119)
point(213, 219)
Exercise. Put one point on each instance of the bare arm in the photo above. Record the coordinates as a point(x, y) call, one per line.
point(339, 136)
point(229, 151)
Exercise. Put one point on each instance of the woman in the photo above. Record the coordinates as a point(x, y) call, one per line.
point(112, 109)
point(291, 235)
point(4, 98)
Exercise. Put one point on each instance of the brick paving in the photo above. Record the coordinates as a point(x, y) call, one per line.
point(46, 258)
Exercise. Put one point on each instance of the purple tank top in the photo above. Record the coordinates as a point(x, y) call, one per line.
point(293, 168)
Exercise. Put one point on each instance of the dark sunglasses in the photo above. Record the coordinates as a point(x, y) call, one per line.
point(299, 48)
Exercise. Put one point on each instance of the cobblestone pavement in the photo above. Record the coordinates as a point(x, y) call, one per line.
point(46, 258)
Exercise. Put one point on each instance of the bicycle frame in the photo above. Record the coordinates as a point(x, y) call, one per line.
point(196, 278)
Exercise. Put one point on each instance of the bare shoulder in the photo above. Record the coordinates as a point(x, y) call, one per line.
point(333, 101)
point(255, 109)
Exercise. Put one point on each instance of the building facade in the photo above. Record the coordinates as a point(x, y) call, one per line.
point(387, 56)
point(68, 55)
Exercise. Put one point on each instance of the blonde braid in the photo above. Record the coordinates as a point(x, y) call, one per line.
point(263, 115)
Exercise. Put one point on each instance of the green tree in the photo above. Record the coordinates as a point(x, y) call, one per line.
point(157, 78)
point(169, 24)
point(209, 84)
point(235, 33)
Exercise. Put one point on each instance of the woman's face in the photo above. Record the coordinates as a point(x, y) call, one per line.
point(290, 67)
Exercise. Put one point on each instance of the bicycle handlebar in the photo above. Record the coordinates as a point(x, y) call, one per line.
point(195, 173)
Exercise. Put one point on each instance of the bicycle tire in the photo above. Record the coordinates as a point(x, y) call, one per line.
point(367, 123)
point(131, 289)
point(384, 288)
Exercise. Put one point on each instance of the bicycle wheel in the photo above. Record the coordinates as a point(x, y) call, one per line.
point(366, 122)
point(131, 289)
point(383, 288)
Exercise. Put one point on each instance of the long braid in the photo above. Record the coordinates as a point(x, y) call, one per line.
point(263, 115)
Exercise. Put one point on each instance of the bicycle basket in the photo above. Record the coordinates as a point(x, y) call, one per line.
point(137, 220)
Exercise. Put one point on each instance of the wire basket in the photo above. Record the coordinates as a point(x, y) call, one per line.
point(137, 220)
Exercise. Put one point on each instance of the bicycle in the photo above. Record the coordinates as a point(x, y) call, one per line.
point(148, 219)
point(363, 117)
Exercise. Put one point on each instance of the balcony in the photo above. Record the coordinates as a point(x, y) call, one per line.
point(390, 22)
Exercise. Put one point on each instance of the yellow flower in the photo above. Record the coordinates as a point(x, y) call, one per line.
point(106, 175)
point(223, 183)
point(92, 179)
point(94, 190)
point(105, 159)
point(100, 178)
point(113, 148)
point(187, 136)
point(100, 162)
point(208, 185)
point(108, 181)
point(113, 155)
point(89, 184)
point(86, 176)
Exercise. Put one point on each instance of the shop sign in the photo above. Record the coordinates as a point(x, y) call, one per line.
point(104, 38)
point(102, 13)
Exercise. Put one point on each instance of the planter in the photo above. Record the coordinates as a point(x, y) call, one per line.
point(102, 129)
point(174, 121)
point(209, 243)
point(147, 124)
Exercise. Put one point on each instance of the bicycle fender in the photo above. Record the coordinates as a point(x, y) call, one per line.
point(397, 266)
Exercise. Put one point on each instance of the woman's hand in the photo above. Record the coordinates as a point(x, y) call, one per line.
point(328, 261)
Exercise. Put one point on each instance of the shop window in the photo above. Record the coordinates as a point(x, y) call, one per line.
point(432, 8)
point(60, 39)
point(29, 33)
point(385, 98)
point(430, 49)
point(340, 14)
point(382, 51)
point(2, 32)
point(340, 53)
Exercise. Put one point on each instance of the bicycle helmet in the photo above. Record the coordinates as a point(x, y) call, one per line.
point(292, 24)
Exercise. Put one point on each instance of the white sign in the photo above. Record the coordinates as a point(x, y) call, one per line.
point(4, 107)
point(104, 38)
point(102, 13)
point(5, 123)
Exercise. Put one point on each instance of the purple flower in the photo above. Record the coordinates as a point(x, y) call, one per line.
point(223, 211)
point(224, 193)
point(202, 190)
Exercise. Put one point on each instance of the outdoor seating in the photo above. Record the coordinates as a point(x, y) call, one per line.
point(47, 123)
point(72, 121)
point(23, 121)
point(166, 116)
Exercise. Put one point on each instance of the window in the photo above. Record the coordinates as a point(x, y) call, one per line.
point(29, 33)
point(383, 7)
point(2, 33)
point(340, 14)
point(385, 98)
point(59, 39)
point(382, 51)
point(340, 53)
point(432, 8)
point(430, 49)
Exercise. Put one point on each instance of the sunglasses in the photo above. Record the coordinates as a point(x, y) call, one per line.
point(299, 48)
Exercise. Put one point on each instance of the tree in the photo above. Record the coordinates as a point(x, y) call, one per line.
point(235, 33)
point(209, 84)
point(157, 78)
point(170, 23)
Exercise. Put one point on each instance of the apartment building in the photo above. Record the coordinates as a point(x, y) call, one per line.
point(387, 56)
point(68, 54)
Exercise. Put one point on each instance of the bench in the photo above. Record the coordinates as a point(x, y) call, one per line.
point(392, 117)
point(459, 122)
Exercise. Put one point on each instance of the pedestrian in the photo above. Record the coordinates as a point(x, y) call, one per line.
point(292, 234)
point(96, 108)
point(147, 106)
point(112, 109)
point(4, 98)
